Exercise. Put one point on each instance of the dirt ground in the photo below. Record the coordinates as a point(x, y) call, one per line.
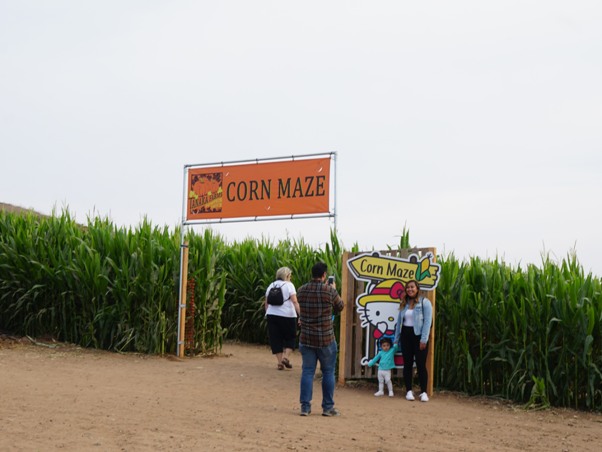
point(61, 397)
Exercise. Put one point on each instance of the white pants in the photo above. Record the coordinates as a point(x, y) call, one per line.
point(384, 376)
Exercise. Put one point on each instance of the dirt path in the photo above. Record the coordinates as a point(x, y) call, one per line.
point(66, 398)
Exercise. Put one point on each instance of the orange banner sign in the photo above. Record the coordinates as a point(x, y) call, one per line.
point(259, 189)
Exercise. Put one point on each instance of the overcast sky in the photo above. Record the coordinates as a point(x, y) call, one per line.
point(477, 124)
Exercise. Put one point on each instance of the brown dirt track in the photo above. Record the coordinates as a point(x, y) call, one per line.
point(62, 397)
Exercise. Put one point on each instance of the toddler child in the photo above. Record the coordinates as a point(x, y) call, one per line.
point(386, 356)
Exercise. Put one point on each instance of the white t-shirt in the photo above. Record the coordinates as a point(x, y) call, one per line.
point(408, 319)
point(288, 308)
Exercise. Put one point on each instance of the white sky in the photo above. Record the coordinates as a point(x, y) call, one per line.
point(477, 124)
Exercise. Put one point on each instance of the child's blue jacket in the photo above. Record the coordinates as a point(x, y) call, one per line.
point(387, 359)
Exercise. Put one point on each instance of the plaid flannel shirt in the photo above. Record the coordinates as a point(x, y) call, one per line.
point(318, 302)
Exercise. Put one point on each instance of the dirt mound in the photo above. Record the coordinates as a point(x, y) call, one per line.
point(16, 209)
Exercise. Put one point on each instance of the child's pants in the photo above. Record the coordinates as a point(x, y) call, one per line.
point(384, 376)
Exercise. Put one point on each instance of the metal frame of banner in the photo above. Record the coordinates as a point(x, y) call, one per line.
point(186, 223)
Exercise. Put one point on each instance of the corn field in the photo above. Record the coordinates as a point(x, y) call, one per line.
point(117, 289)
point(531, 335)
point(100, 286)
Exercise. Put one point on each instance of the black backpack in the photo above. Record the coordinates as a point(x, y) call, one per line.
point(275, 296)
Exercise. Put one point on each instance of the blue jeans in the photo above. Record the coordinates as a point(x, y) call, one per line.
point(327, 356)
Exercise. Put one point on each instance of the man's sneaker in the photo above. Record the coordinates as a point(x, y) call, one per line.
point(305, 412)
point(410, 396)
point(379, 393)
point(331, 412)
point(391, 394)
point(424, 397)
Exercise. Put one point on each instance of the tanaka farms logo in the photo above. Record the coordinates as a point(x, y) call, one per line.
point(205, 193)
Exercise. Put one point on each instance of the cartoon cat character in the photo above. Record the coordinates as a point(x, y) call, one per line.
point(379, 308)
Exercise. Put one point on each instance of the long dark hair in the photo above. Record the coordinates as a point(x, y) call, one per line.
point(406, 299)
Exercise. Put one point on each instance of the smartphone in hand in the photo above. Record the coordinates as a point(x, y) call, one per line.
point(330, 280)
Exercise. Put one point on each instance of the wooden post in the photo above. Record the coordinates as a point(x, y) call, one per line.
point(430, 358)
point(344, 333)
point(182, 300)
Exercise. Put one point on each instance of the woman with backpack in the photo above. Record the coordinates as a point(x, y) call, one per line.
point(282, 310)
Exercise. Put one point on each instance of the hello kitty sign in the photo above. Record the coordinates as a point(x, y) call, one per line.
point(387, 276)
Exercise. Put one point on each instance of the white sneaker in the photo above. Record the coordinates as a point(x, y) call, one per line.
point(424, 397)
point(391, 394)
point(410, 396)
point(379, 393)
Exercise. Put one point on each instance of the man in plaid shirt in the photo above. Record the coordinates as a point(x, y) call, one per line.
point(318, 301)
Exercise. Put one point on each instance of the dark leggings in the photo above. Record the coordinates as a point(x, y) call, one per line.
point(410, 348)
